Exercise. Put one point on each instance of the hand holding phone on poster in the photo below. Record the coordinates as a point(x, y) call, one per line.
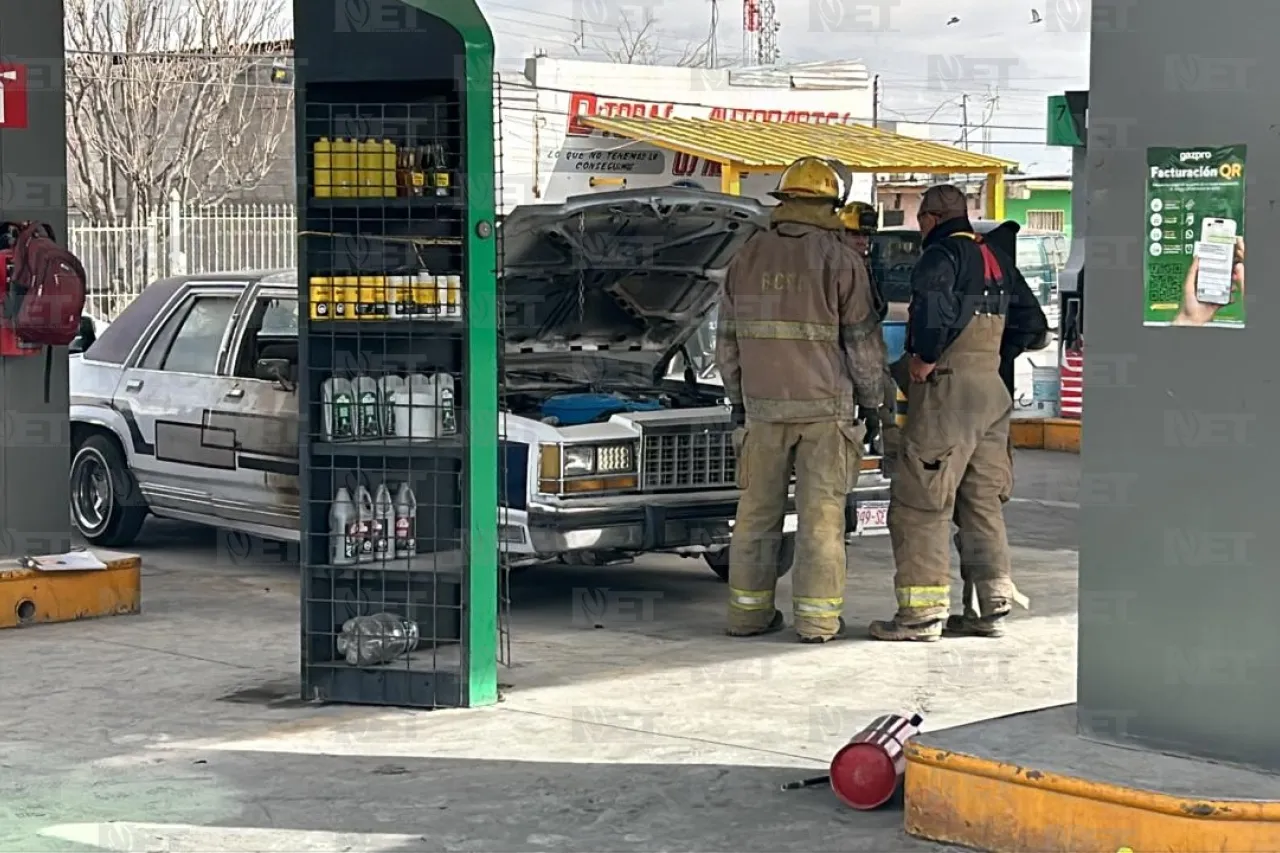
point(1215, 278)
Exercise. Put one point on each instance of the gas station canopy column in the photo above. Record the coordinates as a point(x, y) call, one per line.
point(1172, 744)
point(742, 147)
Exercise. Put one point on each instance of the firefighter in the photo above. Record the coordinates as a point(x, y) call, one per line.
point(860, 221)
point(954, 459)
point(799, 348)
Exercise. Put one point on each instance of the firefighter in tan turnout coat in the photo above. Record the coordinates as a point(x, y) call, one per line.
point(800, 348)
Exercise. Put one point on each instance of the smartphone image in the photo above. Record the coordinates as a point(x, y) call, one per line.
point(1215, 253)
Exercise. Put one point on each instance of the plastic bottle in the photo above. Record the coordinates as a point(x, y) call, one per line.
point(388, 387)
point(321, 297)
point(421, 406)
point(454, 292)
point(424, 296)
point(344, 530)
point(323, 180)
point(400, 297)
point(442, 296)
point(364, 520)
point(368, 407)
point(339, 409)
point(344, 168)
point(446, 415)
point(376, 639)
point(388, 169)
point(370, 168)
point(406, 536)
point(384, 523)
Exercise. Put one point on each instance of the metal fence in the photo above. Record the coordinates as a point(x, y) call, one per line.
point(122, 259)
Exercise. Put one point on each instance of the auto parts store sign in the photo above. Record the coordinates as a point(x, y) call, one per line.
point(591, 160)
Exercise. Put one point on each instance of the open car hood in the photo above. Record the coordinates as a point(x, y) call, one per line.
point(634, 271)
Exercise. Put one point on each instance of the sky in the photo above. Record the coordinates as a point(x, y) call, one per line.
point(1005, 64)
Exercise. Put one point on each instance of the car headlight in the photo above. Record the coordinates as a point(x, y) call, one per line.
point(579, 461)
point(582, 468)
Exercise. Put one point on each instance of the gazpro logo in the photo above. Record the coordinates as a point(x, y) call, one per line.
point(1194, 156)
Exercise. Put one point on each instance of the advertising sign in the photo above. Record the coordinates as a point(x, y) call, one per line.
point(1193, 270)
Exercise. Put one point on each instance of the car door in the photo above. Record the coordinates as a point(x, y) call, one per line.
point(165, 393)
point(261, 495)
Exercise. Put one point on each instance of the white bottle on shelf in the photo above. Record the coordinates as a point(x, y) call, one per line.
point(388, 387)
point(442, 296)
point(368, 407)
point(446, 414)
point(338, 400)
point(384, 523)
point(364, 520)
point(422, 407)
point(406, 537)
point(424, 296)
point(455, 297)
point(344, 530)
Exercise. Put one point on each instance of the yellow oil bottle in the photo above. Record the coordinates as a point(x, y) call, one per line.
point(370, 169)
point(344, 168)
point(388, 169)
point(321, 297)
point(322, 182)
point(346, 296)
point(372, 298)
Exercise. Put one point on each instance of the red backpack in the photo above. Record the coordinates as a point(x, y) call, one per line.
point(47, 288)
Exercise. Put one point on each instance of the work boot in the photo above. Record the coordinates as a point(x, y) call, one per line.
point(776, 624)
point(816, 639)
point(894, 631)
point(973, 624)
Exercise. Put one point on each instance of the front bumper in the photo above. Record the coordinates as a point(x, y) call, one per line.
point(641, 527)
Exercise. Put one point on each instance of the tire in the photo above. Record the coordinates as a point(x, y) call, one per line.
point(718, 561)
point(106, 504)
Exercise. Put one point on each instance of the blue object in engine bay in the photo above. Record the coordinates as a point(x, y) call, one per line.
point(578, 409)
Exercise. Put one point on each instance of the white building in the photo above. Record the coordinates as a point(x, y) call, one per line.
point(548, 156)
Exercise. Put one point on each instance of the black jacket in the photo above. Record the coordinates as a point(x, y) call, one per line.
point(947, 290)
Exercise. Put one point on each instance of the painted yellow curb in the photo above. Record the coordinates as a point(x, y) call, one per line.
point(990, 805)
point(1061, 434)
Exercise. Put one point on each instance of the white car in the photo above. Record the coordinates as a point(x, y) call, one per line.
point(601, 294)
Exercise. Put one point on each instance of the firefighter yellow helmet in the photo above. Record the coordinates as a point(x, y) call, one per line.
point(813, 177)
point(860, 216)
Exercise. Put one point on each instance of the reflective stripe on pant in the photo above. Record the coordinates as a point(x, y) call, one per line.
point(826, 457)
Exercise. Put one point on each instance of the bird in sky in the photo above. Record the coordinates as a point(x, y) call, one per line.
point(953, 21)
point(1035, 17)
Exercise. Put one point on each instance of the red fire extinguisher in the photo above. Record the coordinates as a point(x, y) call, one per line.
point(868, 770)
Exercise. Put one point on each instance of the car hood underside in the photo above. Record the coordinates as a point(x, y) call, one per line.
point(627, 272)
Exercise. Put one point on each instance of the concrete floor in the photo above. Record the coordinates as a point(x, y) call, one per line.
point(180, 729)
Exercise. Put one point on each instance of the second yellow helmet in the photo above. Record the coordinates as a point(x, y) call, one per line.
point(860, 216)
point(812, 177)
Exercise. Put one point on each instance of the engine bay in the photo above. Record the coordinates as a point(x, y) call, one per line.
point(567, 406)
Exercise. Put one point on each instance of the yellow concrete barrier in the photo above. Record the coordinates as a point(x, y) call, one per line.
point(30, 596)
point(989, 805)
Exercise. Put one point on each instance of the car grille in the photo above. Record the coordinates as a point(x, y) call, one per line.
point(688, 457)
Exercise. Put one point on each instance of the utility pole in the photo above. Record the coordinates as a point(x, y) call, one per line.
point(875, 122)
point(964, 120)
point(713, 37)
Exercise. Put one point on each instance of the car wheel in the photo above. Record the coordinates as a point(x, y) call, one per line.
point(719, 560)
point(106, 504)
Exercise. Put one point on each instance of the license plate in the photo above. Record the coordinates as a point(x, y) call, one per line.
point(873, 514)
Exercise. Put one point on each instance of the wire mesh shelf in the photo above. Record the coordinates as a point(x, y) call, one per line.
point(385, 549)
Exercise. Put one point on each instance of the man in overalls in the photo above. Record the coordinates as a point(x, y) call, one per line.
point(953, 460)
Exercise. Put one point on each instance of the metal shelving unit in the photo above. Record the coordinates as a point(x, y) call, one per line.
point(397, 383)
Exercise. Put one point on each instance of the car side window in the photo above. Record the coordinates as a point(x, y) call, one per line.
point(191, 340)
point(280, 318)
point(271, 331)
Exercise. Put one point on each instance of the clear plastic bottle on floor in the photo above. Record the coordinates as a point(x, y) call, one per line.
point(377, 639)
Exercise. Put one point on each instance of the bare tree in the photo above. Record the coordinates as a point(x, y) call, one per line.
point(168, 96)
point(636, 43)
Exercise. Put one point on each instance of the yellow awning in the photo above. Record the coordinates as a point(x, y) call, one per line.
point(752, 145)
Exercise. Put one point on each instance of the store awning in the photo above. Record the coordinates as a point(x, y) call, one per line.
point(767, 146)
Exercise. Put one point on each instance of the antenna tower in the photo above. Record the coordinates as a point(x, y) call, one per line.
point(759, 32)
